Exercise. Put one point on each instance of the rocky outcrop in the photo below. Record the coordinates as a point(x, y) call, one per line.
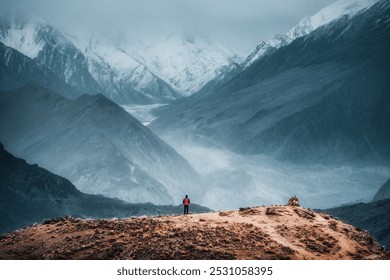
point(293, 201)
point(30, 194)
point(248, 233)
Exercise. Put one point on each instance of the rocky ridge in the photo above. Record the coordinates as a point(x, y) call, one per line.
point(268, 232)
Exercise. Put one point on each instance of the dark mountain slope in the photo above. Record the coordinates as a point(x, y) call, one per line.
point(95, 143)
point(73, 65)
point(17, 69)
point(30, 194)
point(373, 217)
point(325, 96)
point(383, 192)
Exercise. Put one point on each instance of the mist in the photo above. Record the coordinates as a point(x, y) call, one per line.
point(237, 24)
point(244, 181)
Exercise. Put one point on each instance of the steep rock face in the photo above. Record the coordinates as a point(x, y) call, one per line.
point(96, 144)
point(325, 96)
point(346, 8)
point(24, 187)
point(273, 232)
point(86, 69)
point(17, 69)
point(61, 57)
point(91, 64)
point(307, 25)
point(383, 192)
point(30, 194)
point(50, 50)
point(373, 216)
point(120, 76)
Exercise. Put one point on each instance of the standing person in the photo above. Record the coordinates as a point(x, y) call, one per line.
point(186, 202)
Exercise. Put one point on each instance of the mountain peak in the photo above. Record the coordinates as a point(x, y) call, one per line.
point(184, 36)
point(22, 35)
point(338, 9)
point(307, 25)
point(188, 61)
point(99, 101)
point(383, 192)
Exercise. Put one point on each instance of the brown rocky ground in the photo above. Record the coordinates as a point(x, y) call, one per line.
point(274, 232)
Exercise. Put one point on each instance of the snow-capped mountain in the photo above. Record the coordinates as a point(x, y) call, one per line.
point(188, 62)
point(50, 50)
point(304, 27)
point(176, 67)
point(54, 52)
point(119, 74)
point(313, 99)
point(17, 69)
point(307, 25)
point(319, 104)
point(22, 36)
point(90, 68)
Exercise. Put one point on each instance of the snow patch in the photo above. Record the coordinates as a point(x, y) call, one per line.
point(338, 9)
point(309, 24)
point(24, 38)
point(188, 62)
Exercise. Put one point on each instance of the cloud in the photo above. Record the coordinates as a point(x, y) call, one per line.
point(240, 24)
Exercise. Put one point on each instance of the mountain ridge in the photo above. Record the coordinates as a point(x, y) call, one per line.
point(94, 143)
point(268, 232)
point(18, 69)
point(92, 64)
point(371, 216)
point(324, 78)
point(307, 25)
point(31, 194)
point(341, 8)
point(383, 192)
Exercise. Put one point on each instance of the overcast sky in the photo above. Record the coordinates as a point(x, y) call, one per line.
point(240, 24)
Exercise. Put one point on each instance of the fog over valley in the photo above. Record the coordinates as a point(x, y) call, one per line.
point(132, 105)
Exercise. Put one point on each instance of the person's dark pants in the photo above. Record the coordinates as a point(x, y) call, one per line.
point(185, 209)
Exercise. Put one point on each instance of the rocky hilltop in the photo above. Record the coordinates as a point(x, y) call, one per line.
point(31, 194)
point(268, 232)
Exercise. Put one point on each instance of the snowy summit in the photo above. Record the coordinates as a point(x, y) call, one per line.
point(309, 24)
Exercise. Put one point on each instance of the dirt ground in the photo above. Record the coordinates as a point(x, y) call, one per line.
point(273, 232)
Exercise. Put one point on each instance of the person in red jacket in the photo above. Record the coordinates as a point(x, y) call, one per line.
point(186, 203)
